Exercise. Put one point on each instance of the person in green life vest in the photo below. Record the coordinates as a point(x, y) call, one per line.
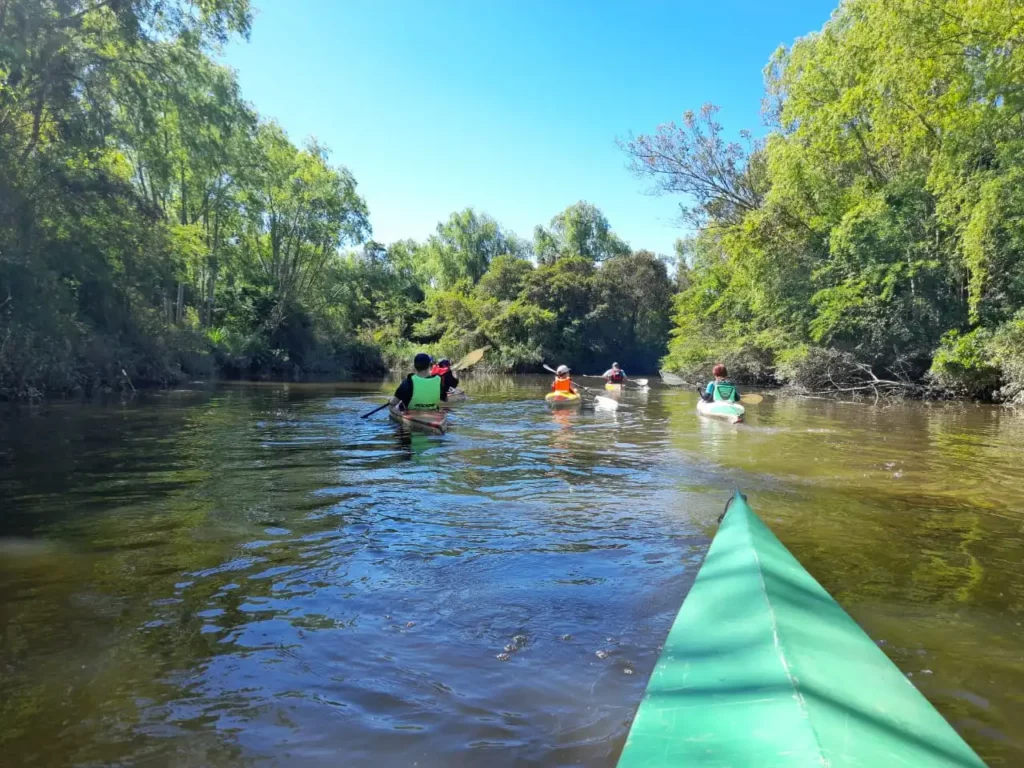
point(420, 390)
point(721, 388)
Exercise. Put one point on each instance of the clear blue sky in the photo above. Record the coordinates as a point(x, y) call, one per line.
point(509, 106)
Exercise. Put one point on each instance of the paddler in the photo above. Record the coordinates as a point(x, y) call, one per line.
point(721, 389)
point(444, 370)
point(563, 382)
point(420, 390)
point(614, 375)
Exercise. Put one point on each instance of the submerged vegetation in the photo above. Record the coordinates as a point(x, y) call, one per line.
point(154, 226)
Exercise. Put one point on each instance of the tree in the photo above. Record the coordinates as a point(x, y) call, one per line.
point(464, 247)
point(580, 231)
point(636, 291)
point(726, 179)
point(298, 211)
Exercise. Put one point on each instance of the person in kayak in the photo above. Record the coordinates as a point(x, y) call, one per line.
point(614, 375)
point(563, 382)
point(420, 390)
point(721, 388)
point(444, 370)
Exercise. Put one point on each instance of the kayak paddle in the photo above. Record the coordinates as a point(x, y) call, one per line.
point(672, 380)
point(600, 401)
point(375, 410)
point(471, 359)
point(750, 399)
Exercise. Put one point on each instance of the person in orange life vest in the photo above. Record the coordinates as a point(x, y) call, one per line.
point(444, 370)
point(563, 383)
point(614, 375)
point(420, 390)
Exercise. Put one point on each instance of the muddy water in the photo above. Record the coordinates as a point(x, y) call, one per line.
point(255, 575)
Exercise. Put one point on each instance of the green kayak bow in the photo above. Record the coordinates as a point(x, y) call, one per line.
point(762, 668)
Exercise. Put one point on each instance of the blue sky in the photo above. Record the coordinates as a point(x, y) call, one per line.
point(511, 107)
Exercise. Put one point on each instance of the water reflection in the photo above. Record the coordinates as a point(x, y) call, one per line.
point(257, 574)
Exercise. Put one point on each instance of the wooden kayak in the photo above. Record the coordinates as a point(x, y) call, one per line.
point(763, 668)
point(731, 412)
point(456, 396)
point(424, 421)
point(563, 399)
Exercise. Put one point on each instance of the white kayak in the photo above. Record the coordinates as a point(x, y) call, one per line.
point(722, 409)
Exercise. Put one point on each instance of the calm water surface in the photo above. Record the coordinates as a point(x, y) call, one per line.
point(253, 575)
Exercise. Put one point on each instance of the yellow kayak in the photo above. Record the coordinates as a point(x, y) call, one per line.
point(562, 399)
point(614, 387)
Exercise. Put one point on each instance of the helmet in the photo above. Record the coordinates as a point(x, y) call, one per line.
point(445, 363)
point(421, 361)
point(562, 370)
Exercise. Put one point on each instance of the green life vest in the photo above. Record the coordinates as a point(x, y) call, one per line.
point(724, 391)
point(426, 392)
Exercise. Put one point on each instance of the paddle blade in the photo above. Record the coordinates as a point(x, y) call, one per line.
point(671, 379)
point(472, 358)
point(751, 399)
point(641, 382)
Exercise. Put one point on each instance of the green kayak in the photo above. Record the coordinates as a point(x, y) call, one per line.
point(763, 668)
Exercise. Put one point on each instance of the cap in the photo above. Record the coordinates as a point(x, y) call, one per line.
point(615, 365)
point(445, 363)
point(562, 369)
point(421, 361)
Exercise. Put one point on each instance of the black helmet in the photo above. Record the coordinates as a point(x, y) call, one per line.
point(422, 361)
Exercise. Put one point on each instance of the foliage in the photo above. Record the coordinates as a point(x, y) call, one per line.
point(876, 231)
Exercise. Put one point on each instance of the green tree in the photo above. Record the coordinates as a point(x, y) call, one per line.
point(580, 231)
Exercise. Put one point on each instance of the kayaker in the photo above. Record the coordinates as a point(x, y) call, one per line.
point(721, 388)
point(563, 382)
point(420, 390)
point(444, 370)
point(614, 375)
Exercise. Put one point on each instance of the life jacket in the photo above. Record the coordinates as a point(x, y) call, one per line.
point(617, 378)
point(426, 392)
point(562, 385)
point(724, 390)
point(437, 370)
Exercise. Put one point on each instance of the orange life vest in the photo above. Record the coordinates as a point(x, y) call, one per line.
point(562, 385)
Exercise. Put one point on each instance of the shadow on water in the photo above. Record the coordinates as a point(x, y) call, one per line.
point(255, 574)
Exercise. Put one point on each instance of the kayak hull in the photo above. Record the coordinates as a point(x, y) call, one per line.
point(722, 410)
point(563, 399)
point(434, 422)
point(457, 396)
point(614, 387)
point(763, 668)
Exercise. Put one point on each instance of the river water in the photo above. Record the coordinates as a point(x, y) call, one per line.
point(253, 575)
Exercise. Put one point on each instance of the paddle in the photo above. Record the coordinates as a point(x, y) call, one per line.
point(374, 411)
point(471, 359)
point(750, 399)
point(671, 379)
point(604, 402)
